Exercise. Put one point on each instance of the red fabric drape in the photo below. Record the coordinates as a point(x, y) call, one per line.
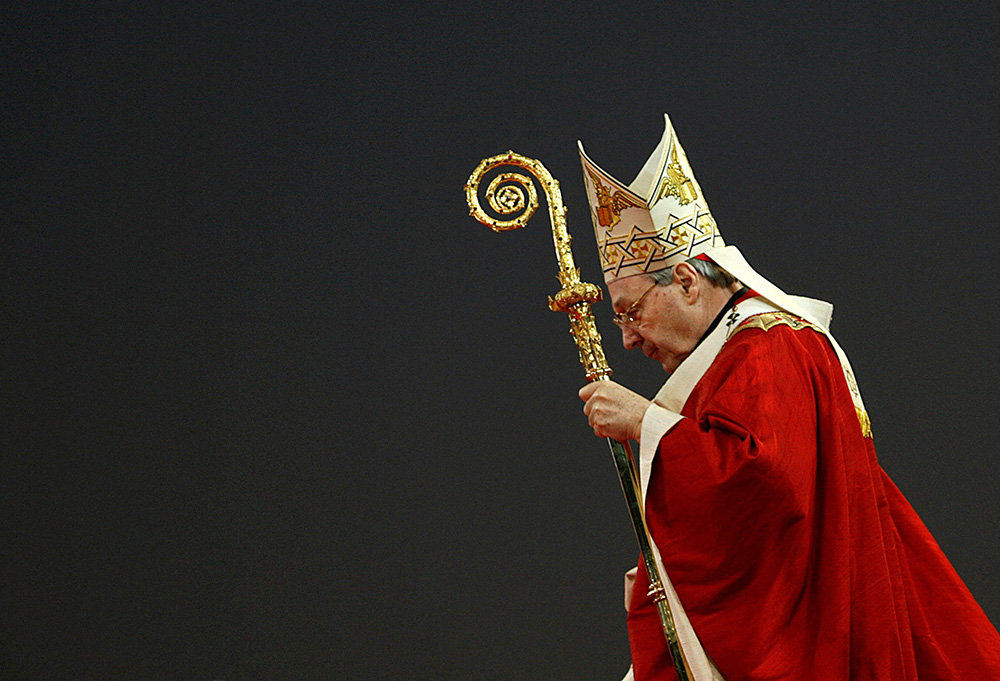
point(793, 553)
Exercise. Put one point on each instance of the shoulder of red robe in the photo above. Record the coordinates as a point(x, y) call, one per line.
point(769, 320)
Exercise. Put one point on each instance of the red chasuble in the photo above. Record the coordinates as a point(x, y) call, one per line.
point(793, 553)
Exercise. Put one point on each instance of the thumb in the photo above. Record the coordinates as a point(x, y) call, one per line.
point(587, 390)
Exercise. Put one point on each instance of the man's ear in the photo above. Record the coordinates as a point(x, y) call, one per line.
point(686, 277)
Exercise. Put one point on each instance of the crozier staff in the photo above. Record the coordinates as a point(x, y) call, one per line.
point(793, 554)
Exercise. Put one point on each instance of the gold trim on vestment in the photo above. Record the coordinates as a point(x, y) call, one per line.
point(768, 320)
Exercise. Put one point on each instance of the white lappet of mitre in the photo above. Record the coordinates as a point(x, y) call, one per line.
point(659, 220)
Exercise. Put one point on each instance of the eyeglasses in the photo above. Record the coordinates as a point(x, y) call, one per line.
point(624, 319)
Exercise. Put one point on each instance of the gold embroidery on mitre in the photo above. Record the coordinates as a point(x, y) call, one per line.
point(609, 206)
point(769, 320)
point(659, 220)
point(626, 250)
point(689, 235)
point(706, 225)
point(676, 183)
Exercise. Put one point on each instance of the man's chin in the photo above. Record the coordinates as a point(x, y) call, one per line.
point(670, 364)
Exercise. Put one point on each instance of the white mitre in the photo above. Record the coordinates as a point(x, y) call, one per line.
point(662, 218)
point(659, 220)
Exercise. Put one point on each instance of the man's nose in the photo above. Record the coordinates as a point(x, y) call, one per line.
point(630, 337)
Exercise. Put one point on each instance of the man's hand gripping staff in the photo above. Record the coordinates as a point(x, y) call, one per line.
point(613, 410)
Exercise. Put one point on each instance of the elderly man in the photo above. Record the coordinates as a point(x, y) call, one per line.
point(790, 553)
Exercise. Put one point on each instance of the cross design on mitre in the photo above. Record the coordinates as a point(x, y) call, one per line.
point(635, 248)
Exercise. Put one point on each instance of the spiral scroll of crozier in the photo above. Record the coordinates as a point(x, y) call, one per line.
point(507, 194)
point(511, 193)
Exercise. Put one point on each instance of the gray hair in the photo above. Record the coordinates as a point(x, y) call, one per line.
point(715, 275)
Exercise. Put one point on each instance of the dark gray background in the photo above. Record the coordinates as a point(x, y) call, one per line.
point(277, 408)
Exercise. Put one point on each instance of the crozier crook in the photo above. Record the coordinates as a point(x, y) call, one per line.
point(514, 194)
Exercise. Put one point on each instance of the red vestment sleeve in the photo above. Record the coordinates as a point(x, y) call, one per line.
point(794, 555)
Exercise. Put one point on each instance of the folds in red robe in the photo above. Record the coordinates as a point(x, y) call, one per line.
point(793, 553)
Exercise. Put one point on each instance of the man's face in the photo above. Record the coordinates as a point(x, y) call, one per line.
point(663, 320)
